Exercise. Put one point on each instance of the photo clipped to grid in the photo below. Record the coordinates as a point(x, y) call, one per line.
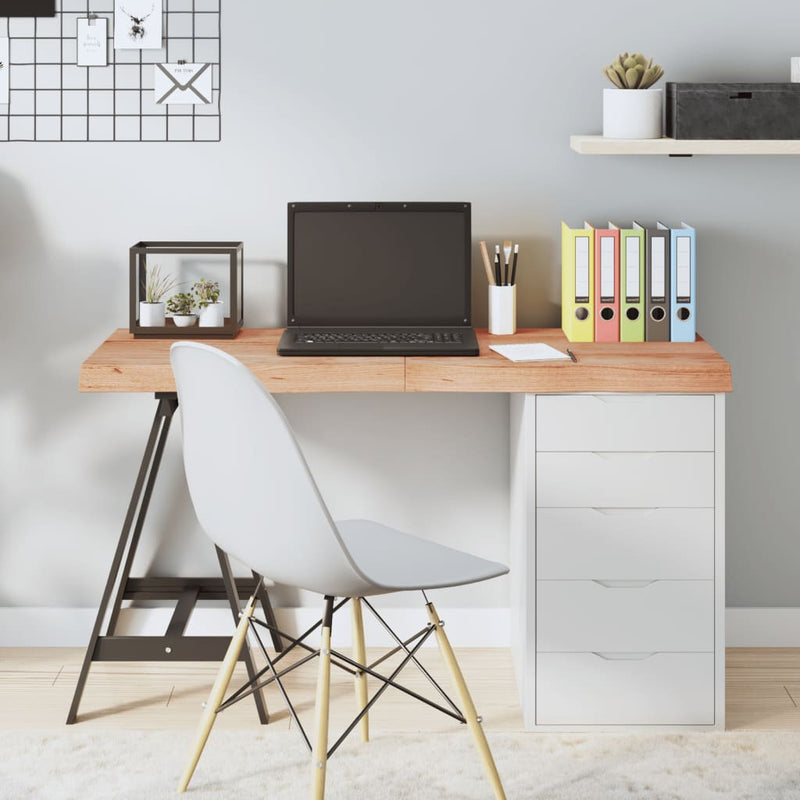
point(128, 95)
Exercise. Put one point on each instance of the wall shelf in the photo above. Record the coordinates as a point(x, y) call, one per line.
point(599, 146)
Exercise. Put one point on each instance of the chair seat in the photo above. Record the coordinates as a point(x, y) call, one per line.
point(397, 561)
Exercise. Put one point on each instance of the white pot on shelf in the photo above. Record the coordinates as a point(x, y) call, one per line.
point(184, 320)
point(152, 315)
point(632, 113)
point(212, 316)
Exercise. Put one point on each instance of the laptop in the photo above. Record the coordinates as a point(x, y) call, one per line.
point(372, 279)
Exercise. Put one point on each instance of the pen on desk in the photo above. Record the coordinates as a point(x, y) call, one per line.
point(497, 269)
point(514, 266)
point(487, 265)
point(572, 356)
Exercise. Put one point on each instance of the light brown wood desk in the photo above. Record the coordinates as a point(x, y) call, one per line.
point(125, 364)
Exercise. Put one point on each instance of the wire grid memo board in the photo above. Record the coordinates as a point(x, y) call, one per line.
point(52, 99)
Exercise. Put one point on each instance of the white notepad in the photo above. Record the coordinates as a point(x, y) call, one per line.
point(535, 351)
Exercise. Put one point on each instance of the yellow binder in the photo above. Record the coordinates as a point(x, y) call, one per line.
point(577, 283)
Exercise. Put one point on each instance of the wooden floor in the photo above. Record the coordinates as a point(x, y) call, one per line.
point(36, 685)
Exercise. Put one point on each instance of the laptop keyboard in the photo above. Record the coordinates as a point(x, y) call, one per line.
point(382, 337)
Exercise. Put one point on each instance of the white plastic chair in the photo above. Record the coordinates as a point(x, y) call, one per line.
point(257, 500)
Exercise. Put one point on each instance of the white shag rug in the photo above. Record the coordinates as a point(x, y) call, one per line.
point(75, 764)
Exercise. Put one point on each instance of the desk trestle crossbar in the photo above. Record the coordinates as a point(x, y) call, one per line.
point(105, 643)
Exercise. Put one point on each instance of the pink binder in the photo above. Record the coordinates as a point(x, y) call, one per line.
point(606, 285)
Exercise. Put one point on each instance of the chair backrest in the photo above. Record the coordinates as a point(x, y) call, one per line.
point(250, 485)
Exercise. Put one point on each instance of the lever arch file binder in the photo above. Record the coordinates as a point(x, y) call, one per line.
point(577, 283)
point(606, 284)
point(631, 283)
point(683, 284)
point(657, 285)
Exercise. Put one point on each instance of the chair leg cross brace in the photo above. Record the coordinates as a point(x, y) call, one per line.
point(355, 666)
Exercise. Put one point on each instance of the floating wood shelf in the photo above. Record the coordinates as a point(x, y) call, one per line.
point(599, 146)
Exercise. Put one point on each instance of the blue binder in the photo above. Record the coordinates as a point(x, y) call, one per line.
point(683, 284)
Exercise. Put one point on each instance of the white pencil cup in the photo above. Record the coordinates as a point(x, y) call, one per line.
point(502, 310)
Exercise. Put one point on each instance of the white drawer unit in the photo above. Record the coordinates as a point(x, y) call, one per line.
point(624, 543)
point(624, 480)
point(624, 422)
point(618, 562)
point(577, 689)
point(603, 616)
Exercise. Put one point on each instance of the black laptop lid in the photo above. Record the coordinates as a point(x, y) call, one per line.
point(379, 264)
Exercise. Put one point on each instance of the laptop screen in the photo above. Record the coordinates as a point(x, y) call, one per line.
point(379, 263)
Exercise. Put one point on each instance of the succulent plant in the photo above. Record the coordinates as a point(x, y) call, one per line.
point(206, 292)
point(181, 304)
point(633, 71)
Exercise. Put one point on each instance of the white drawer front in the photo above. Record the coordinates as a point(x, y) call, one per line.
point(625, 616)
point(624, 480)
point(624, 543)
point(624, 422)
point(662, 689)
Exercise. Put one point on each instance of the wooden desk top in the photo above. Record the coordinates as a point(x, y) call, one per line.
point(125, 364)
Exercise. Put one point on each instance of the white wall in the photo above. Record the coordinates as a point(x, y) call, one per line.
point(359, 100)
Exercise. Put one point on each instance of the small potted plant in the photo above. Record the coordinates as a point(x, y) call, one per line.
point(181, 308)
point(632, 109)
point(207, 300)
point(156, 287)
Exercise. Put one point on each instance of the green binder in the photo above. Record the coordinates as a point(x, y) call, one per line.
point(631, 279)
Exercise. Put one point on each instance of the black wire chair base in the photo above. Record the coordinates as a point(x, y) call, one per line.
point(270, 674)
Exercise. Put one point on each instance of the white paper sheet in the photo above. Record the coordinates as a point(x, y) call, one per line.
point(535, 351)
point(92, 42)
point(137, 24)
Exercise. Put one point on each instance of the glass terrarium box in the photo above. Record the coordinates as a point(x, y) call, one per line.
point(186, 289)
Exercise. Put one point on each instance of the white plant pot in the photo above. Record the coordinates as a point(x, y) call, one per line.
point(151, 315)
point(632, 113)
point(184, 320)
point(212, 316)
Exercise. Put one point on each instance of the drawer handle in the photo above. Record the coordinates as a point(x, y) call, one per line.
point(607, 455)
point(624, 656)
point(624, 584)
point(614, 399)
point(615, 512)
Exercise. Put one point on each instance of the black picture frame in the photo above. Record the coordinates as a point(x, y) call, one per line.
point(27, 8)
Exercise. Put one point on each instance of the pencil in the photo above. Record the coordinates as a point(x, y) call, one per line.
point(514, 267)
point(487, 264)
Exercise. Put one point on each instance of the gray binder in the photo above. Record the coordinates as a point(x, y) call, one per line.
point(656, 306)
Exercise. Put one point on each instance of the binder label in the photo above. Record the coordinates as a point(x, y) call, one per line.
point(581, 269)
point(683, 272)
point(632, 288)
point(658, 290)
point(607, 270)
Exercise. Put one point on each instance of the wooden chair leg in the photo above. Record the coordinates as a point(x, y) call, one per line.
point(360, 655)
point(468, 708)
point(221, 683)
point(320, 755)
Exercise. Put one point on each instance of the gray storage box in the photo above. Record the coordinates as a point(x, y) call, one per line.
point(733, 110)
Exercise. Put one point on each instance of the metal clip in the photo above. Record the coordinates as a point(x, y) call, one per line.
point(92, 18)
point(181, 62)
